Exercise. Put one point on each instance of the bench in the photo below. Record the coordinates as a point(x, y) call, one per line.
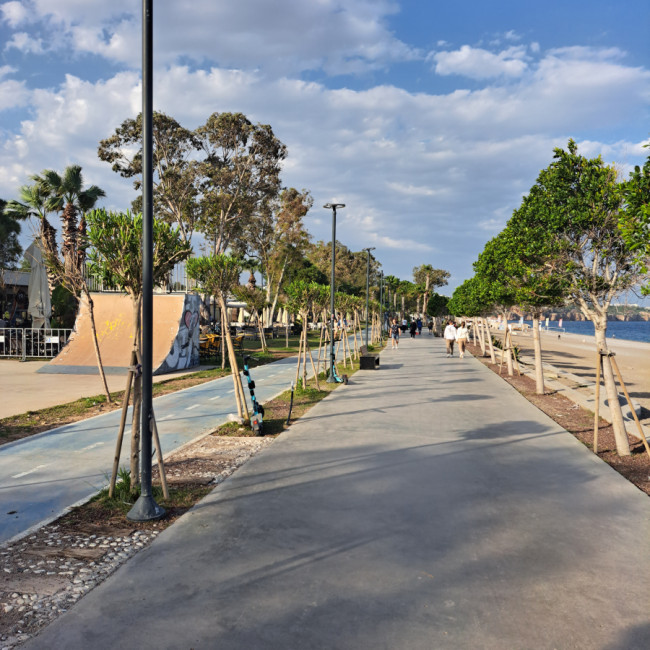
point(367, 360)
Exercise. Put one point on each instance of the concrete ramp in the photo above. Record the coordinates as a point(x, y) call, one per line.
point(175, 335)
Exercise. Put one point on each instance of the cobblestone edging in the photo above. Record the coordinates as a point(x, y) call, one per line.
point(44, 574)
point(70, 574)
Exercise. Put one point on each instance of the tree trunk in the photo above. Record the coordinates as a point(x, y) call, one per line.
point(137, 398)
point(537, 347)
point(507, 345)
point(481, 335)
point(620, 434)
point(260, 328)
point(242, 409)
point(69, 237)
point(98, 356)
point(224, 325)
point(488, 336)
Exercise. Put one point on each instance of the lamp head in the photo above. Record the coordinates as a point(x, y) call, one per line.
point(334, 206)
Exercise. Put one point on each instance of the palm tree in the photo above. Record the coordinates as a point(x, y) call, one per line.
point(66, 195)
point(33, 203)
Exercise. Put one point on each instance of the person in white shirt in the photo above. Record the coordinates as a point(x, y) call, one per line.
point(462, 335)
point(450, 337)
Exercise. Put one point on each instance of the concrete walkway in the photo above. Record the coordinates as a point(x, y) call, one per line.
point(426, 505)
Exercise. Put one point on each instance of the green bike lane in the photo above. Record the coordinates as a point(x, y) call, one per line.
point(426, 505)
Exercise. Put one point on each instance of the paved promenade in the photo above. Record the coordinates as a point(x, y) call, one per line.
point(424, 506)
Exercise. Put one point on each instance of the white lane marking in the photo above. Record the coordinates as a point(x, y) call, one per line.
point(166, 417)
point(215, 397)
point(194, 406)
point(89, 447)
point(31, 471)
point(230, 392)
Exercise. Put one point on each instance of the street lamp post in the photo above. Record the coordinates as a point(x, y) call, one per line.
point(381, 307)
point(333, 207)
point(368, 289)
point(146, 508)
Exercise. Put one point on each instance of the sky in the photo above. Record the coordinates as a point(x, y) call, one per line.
point(429, 120)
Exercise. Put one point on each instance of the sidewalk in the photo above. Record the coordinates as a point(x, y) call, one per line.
point(426, 505)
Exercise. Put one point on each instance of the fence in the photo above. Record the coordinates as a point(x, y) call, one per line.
point(177, 282)
point(32, 343)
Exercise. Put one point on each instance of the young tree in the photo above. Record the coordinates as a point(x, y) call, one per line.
point(175, 151)
point(115, 257)
point(218, 275)
point(578, 207)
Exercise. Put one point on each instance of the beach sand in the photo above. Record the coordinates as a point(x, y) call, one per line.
point(576, 353)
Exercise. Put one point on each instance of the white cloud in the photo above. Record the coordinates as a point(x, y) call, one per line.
point(285, 36)
point(426, 177)
point(23, 42)
point(477, 63)
point(14, 13)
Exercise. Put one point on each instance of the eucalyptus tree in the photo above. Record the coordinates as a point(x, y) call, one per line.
point(634, 221)
point(239, 175)
point(578, 206)
point(430, 278)
point(115, 257)
point(276, 235)
point(175, 164)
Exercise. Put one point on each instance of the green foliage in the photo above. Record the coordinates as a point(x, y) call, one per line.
point(64, 307)
point(303, 297)
point(116, 253)
point(10, 248)
point(216, 274)
point(437, 305)
point(634, 222)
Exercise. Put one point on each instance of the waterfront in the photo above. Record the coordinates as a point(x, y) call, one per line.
point(627, 330)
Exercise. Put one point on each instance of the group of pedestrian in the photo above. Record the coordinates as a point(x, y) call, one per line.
point(453, 334)
point(415, 329)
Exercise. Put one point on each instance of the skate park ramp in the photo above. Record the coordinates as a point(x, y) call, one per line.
point(175, 335)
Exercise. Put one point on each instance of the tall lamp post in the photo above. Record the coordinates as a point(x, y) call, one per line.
point(333, 207)
point(381, 307)
point(367, 289)
point(146, 508)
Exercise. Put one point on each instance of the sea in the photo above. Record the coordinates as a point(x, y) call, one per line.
point(628, 330)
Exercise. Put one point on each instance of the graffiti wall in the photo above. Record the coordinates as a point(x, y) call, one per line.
point(184, 351)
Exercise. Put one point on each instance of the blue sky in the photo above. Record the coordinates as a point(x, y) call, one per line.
point(430, 120)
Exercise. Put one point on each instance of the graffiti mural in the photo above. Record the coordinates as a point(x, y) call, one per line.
point(184, 351)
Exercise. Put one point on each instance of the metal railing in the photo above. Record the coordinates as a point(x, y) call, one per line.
point(28, 343)
point(177, 282)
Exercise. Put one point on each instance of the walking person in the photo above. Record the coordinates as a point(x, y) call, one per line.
point(419, 324)
point(462, 334)
point(430, 326)
point(450, 337)
point(413, 327)
point(394, 335)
